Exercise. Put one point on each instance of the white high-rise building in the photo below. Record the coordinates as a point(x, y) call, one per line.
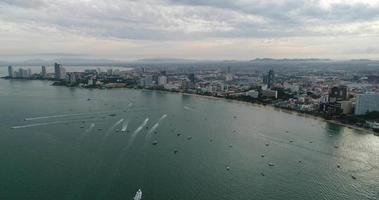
point(366, 103)
point(43, 72)
point(10, 71)
point(60, 72)
point(162, 80)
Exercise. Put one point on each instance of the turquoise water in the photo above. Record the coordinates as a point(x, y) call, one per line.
point(69, 149)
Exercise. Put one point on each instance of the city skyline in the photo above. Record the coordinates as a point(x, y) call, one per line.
point(242, 30)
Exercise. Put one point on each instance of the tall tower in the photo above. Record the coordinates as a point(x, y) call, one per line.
point(43, 72)
point(59, 71)
point(269, 79)
point(10, 71)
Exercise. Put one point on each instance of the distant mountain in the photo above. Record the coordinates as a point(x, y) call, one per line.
point(291, 60)
point(69, 61)
point(65, 61)
point(166, 60)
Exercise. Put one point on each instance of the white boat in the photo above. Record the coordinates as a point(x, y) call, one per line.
point(138, 195)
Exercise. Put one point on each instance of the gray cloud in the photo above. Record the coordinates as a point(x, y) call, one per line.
point(186, 20)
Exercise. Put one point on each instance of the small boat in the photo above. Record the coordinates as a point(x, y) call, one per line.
point(178, 134)
point(271, 164)
point(336, 147)
point(291, 141)
point(189, 138)
point(262, 156)
point(338, 166)
point(176, 151)
point(155, 142)
point(353, 177)
point(112, 115)
point(267, 145)
point(262, 174)
point(228, 168)
point(300, 161)
point(138, 195)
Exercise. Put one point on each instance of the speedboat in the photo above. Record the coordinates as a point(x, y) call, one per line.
point(138, 195)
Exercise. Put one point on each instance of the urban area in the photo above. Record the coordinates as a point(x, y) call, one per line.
point(350, 99)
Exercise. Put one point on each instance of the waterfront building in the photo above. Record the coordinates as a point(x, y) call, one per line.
point(270, 93)
point(346, 107)
point(366, 103)
point(162, 80)
point(269, 79)
point(338, 93)
point(60, 72)
point(72, 77)
point(10, 71)
point(43, 71)
point(252, 93)
point(23, 73)
point(147, 81)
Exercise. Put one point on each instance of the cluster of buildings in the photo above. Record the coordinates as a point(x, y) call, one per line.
point(20, 73)
point(317, 92)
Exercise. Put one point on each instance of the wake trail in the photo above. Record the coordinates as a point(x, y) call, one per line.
point(65, 115)
point(112, 128)
point(155, 126)
point(52, 123)
point(124, 126)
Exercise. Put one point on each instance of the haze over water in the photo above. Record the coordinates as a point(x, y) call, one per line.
point(72, 147)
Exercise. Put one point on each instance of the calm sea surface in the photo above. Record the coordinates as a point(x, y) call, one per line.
point(67, 143)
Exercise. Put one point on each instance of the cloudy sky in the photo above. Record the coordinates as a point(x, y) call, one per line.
point(197, 29)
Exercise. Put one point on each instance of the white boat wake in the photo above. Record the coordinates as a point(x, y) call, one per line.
point(156, 125)
point(113, 127)
point(53, 123)
point(65, 115)
point(138, 195)
point(124, 126)
point(90, 128)
point(188, 108)
point(141, 126)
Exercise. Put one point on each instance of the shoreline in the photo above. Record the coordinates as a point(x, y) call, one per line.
point(307, 115)
point(292, 112)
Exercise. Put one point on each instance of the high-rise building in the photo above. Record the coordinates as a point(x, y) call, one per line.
point(43, 72)
point(366, 103)
point(59, 71)
point(269, 79)
point(162, 80)
point(10, 71)
point(191, 77)
point(24, 73)
point(147, 81)
point(338, 93)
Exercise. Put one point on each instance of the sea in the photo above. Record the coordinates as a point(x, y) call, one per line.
point(95, 144)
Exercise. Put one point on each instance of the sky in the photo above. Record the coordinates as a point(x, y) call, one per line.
point(192, 29)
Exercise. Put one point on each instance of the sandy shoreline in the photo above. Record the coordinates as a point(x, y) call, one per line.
point(275, 108)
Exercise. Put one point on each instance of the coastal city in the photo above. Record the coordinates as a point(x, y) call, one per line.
point(351, 99)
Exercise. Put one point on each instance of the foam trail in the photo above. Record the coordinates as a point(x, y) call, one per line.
point(39, 124)
point(64, 115)
point(188, 108)
point(156, 125)
point(130, 104)
point(113, 127)
point(90, 128)
point(124, 126)
point(141, 126)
